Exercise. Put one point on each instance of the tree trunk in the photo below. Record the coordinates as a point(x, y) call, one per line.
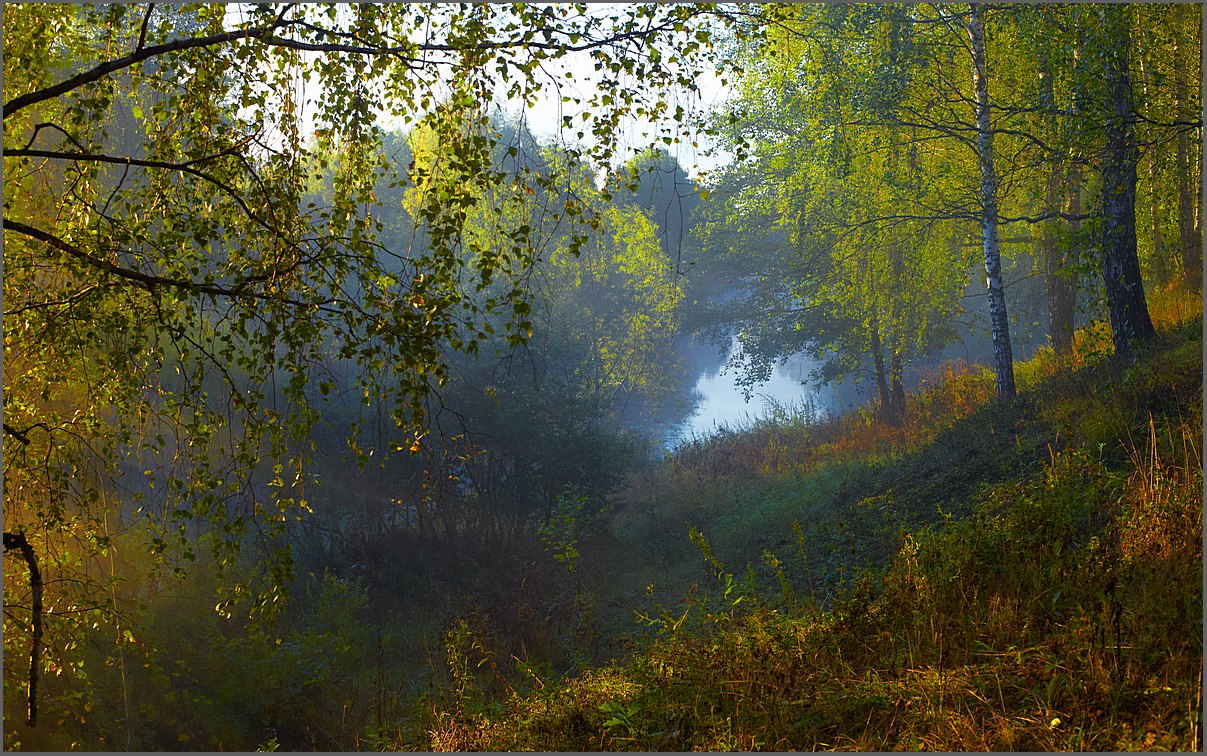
point(1059, 259)
point(881, 374)
point(1126, 304)
point(896, 260)
point(1197, 241)
point(1161, 265)
point(999, 324)
point(897, 413)
point(1067, 303)
point(1160, 261)
point(17, 541)
point(1189, 243)
point(1058, 277)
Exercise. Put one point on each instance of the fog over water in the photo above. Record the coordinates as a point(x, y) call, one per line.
point(722, 404)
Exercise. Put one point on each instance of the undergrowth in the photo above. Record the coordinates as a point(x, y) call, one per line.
point(986, 577)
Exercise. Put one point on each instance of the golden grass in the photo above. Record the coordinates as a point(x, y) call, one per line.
point(1063, 613)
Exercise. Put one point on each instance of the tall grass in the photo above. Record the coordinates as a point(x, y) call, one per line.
point(1022, 577)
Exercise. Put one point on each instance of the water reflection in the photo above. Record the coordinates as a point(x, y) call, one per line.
point(721, 402)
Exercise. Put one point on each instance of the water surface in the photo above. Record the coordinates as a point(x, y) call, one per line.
point(721, 403)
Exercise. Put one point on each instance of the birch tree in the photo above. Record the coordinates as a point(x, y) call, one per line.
point(1003, 355)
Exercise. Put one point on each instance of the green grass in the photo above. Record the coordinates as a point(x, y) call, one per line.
point(990, 576)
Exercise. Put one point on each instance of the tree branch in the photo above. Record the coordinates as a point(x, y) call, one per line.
point(18, 541)
point(138, 56)
point(265, 34)
point(186, 167)
point(56, 303)
point(1046, 216)
point(142, 31)
point(47, 125)
point(22, 436)
point(362, 49)
point(149, 282)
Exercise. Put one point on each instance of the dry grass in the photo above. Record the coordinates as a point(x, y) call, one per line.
point(1061, 611)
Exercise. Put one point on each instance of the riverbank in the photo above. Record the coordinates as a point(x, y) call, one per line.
point(988, 576)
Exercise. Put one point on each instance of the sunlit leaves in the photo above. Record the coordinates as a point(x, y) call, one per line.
point(851, 230)
point(225, 255)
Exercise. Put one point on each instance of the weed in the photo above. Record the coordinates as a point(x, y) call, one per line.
point(987, 577)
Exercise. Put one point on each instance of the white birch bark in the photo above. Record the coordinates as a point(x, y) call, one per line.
point(1003, 356)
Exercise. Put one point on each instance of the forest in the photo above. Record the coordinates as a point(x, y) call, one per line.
point(358, 363)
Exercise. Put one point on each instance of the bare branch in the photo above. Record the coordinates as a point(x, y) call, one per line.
point(21, 436)
point(57, 303)
point(47, 125)
point(1046, 216)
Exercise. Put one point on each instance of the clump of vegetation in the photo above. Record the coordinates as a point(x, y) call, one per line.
point(318, 401)
point(1061, 611)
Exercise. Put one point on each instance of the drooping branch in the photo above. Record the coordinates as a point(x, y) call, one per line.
point(185, 167)
point(560, 47)
point(21, 436)
point(149, 281)
point(17, 541)
point(139, 55)
point(267, 35)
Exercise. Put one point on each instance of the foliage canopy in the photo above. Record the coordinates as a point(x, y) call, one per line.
point(181, 295)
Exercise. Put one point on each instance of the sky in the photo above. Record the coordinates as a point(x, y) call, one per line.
point(545, 117)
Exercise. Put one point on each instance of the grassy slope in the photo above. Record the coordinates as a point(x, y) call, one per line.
point(1043, 587)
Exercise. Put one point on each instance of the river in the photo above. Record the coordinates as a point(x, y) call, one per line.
point(720, 403)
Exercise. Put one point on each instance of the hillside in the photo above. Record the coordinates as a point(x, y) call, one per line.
point(1021, 576)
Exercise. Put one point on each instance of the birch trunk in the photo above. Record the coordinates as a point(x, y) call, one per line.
point(999, 324)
